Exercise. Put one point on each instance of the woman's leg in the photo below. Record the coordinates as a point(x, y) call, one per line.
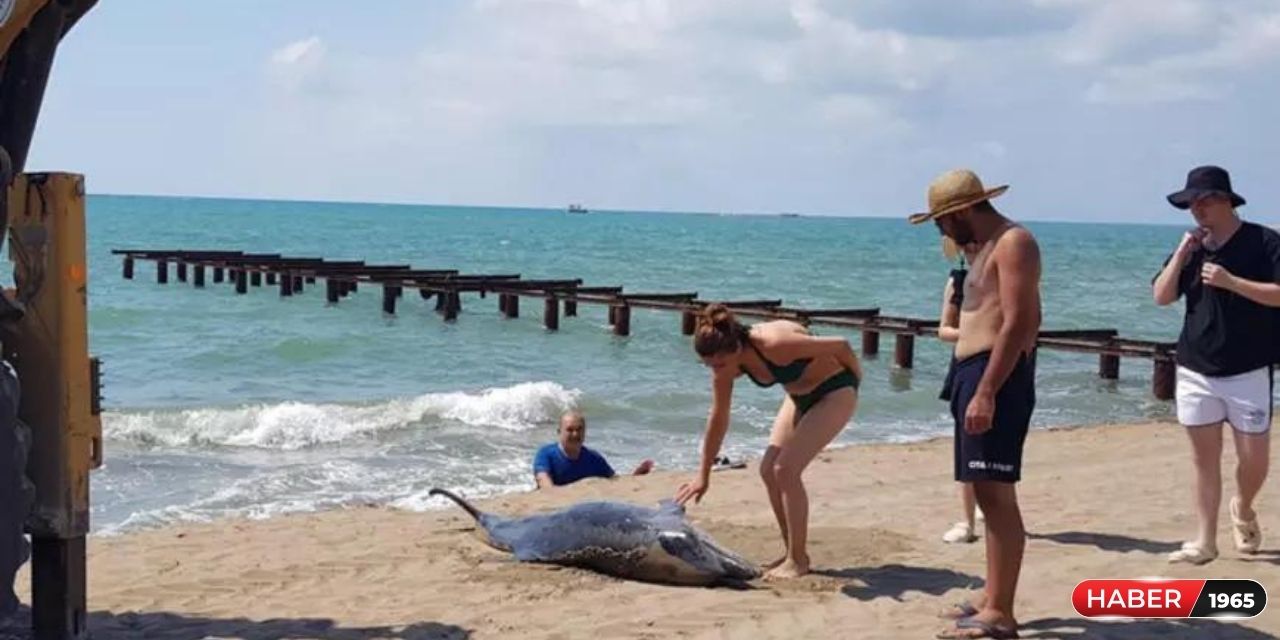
point(816, 429)
point(969, 501)
point(963, 530)
point(783, 426)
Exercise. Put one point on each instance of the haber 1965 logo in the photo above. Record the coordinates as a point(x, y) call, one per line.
point(1165, 598)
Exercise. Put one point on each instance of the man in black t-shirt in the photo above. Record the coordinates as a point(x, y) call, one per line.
point(1228, 271)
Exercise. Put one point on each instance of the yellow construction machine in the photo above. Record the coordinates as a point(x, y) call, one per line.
point(43, 320)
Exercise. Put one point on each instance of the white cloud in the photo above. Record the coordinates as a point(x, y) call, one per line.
point(1139, 87)
point(837, 54)
point(592, 99)
point(1111, 30)
point(636, 64)
point(993, 149)
point(294, 64)
point(302, 51)
point(1241, 44)
point(861, 114)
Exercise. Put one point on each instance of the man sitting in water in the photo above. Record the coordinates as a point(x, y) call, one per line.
point(568, 460)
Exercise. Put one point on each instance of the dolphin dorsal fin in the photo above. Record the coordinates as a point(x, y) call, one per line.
point(669, 506)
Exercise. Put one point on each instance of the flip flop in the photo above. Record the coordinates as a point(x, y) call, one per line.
point(988, 630)
point(1247, 533)
point(959, 611)
point(959, 532)
point(1192, 554)
point(723, 463)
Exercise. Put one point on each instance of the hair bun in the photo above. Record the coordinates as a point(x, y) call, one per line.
point(718, 331)
point(717, 315)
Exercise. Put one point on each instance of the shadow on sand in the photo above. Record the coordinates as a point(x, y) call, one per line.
point(1052, 628)
point(172, 626)
point(893, 580)
point(1107, 541)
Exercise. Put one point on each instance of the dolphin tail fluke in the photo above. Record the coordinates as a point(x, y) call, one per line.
point(458, 500)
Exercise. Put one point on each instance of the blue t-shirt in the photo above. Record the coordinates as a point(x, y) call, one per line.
point(551, 460)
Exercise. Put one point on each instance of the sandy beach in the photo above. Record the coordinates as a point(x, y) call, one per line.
point(1104, 502)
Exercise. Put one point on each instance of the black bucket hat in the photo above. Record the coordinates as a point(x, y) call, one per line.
point(1203, 181)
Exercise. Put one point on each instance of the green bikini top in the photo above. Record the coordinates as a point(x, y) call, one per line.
point(782, 374)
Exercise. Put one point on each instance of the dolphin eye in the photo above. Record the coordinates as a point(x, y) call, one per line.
point(679, 544)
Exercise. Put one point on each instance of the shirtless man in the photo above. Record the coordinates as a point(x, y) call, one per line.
point(994, 385)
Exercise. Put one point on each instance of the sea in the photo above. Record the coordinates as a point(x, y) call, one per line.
point(224, 405)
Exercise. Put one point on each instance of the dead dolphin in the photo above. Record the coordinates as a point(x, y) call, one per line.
point(624, 540)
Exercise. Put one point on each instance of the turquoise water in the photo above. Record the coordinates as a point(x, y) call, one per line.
point(218, 404)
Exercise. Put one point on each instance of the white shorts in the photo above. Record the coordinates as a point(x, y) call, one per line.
point(1244, 400)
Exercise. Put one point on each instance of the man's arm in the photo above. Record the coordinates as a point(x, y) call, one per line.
point(1018, 270)
point(1167, 288)
point(1260, 291)
point(606, 469)
point(1263, 293)
point(542, 470)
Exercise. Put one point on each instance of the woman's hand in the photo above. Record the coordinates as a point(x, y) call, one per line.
point(851, 362)
point(694, 489)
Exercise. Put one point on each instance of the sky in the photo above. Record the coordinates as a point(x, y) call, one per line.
point(1091, 110)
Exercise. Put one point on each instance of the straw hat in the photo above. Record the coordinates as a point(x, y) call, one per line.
point(953, 191)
